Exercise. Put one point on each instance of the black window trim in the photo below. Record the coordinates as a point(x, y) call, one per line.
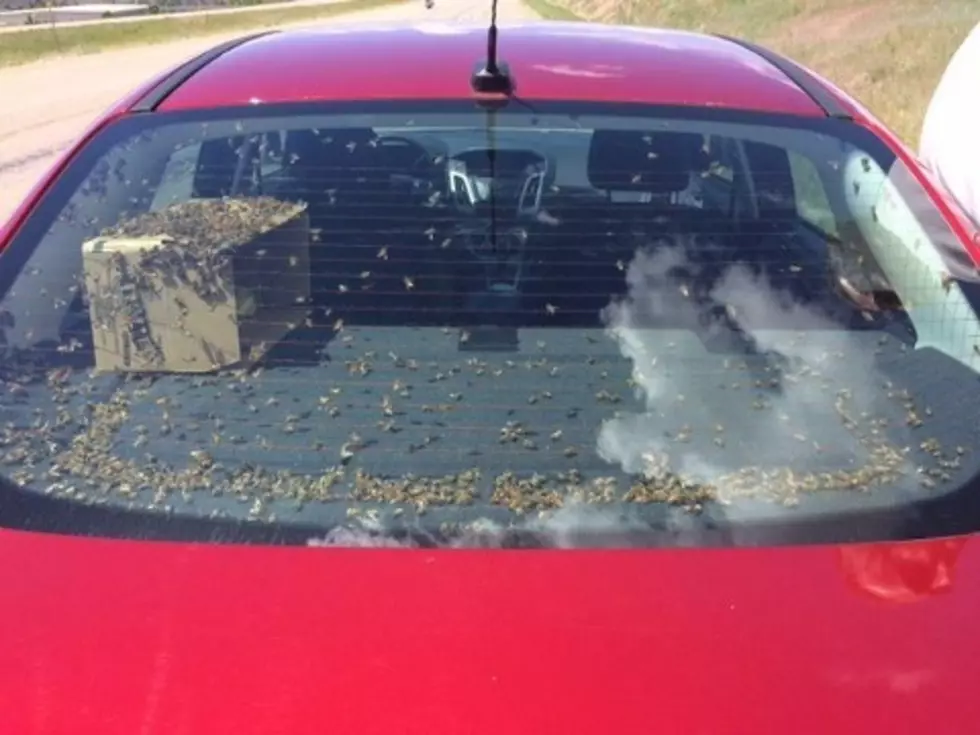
point(799, 76)
point(150, 101)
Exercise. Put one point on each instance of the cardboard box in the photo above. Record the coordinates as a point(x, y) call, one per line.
point(198, 286)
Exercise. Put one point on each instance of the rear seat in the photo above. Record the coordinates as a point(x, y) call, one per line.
point(590, 251)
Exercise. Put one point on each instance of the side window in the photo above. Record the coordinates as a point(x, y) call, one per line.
point(718, 180)
point(812, 203)
point(728, 177)
point(721, 166)
point(208, 169)
point(271, 153)
point(177, 183)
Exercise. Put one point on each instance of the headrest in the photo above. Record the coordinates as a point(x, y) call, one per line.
point(630, 160)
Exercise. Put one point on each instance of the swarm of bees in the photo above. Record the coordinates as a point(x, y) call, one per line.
point(208, 225)
point(197, 241)
point(77, 451)
point(147, 276)
point(421, 492)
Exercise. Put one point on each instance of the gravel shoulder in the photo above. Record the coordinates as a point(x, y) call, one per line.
point(48, 104)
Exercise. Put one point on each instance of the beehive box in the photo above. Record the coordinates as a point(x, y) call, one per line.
point(198, 286)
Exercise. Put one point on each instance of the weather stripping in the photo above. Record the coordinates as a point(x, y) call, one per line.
point(799, 76)
point(169, 84)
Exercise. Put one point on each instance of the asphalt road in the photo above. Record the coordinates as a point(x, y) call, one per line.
point(58, 97)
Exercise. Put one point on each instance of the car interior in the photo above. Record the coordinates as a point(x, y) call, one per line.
point(406, 229)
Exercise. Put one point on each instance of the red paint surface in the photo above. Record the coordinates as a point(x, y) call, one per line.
point(107, 638)
point(550, 61)
point(117, 638)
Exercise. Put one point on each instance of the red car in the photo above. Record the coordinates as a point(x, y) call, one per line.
point(619, 381)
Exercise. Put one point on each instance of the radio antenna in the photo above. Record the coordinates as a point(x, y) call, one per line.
point(491, 78)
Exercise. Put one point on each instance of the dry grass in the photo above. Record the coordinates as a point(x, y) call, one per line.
point(887, 53)
point(46, 40)
point(551, 10)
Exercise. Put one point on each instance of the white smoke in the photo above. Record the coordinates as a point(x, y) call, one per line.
point(578, 524)
point(709, 413)
point(572, 526)
point(361, 538)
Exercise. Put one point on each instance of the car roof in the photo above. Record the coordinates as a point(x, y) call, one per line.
point(549, 60)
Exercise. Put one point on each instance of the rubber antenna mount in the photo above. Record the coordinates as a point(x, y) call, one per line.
point(491, 77)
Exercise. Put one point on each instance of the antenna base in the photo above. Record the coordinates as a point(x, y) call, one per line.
point(487, 80)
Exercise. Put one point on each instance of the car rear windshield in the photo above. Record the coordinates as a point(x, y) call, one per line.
point(434, 324)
